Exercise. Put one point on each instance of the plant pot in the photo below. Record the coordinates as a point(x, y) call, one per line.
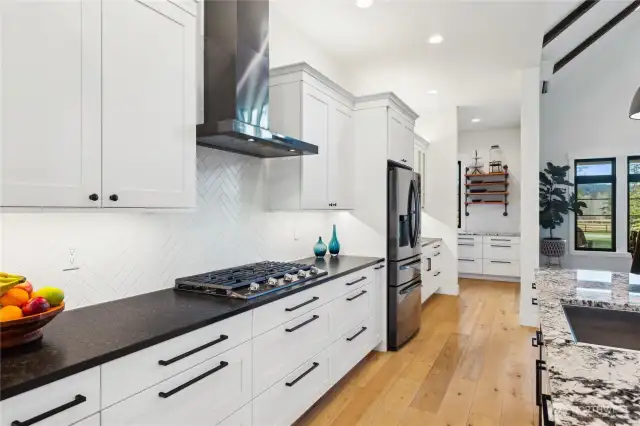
point(553, 247)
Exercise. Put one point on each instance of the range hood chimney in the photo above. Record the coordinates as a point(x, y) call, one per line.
point(236, 82)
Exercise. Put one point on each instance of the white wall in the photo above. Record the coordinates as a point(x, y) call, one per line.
point(125, 253)
point(289, 45)
point(489, 217)
point(585, 115)
point(440, 220)
point(530, 152)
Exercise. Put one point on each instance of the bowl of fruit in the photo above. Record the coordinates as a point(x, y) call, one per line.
point(25, 311)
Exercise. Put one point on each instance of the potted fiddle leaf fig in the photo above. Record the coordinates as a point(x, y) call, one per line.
point(556, 201)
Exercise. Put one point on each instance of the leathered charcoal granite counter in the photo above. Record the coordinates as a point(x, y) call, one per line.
point(590, 385)
point(83, 338)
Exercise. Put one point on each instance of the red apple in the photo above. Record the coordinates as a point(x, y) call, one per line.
point(26, 286)
point(34, 306)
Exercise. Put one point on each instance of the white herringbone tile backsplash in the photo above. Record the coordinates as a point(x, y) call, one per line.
point(124, 253)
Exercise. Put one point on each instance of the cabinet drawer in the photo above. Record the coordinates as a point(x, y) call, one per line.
point(470, 250)
point(507, 268)
point(470, 239)
point(502, 251)
point(469, 266)
point(350, 348)
point(277, 313)
point(349, 310)
point(89, 421)
point(203, 395)
point(242, 417)
point(80, 393)
point(290, 397)
point(282, 349)
point(348, 283)
point(501, 240)
point(128, 375)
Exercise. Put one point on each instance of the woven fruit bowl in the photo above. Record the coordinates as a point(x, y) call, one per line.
point(27, 329)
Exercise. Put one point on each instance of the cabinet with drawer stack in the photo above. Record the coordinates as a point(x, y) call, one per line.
point(432, 269)
point(489, 256)
point(262, 366)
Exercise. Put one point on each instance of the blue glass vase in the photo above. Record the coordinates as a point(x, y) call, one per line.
point(320, 249)
point(334, 244)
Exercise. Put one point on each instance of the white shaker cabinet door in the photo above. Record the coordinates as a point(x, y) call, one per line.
point(315, 125)
point(341, 157)
point(90, 421)
point(50, 103)
point(148, 105)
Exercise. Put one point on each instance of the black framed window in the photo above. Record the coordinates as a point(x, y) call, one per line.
point(595, 181)
point(633, 195)
point(459, 193)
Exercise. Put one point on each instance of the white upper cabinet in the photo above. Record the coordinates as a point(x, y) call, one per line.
point(308, 106)
point(148, 104)
point(400, 139)
point(420, 165)
point(50, 103)
point(104, 110)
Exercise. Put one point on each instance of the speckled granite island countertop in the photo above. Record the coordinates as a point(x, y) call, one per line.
point(590, 385)
point(83, 338)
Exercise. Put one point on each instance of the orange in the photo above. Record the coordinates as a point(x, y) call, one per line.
point(14, 297)
point(9, 313)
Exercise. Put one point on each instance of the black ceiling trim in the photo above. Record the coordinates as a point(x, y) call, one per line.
point(596, 36)
point(568, 21)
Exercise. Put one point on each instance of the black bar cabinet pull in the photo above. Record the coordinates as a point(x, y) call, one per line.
point(357, 281)
point(362, 293)
point(540, 365)
point(362, 330)
point(79, 399)
point(302, 324)
point(465, 244)
point(466, 260)
point(533, 286)
point(500, 261)
point(545, 411)
point(164, 363)
point(174, 391)
point(534, 342)
point(313, 299)
point(500, 239)
point(500, 245)
point(436, 254)
point(300, 377)
point(534, 301)
point(379, 267)
point(436, 274)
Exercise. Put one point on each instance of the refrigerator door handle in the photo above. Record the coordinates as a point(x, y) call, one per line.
point(411, 213)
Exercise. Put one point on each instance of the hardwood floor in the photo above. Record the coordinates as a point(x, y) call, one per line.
point(471, 364)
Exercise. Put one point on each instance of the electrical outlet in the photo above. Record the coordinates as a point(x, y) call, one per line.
point(71, 262)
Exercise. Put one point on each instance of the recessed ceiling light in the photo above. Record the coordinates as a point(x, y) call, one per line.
point(475, 120)
point(363, 4)
point(433, 92)
point(436, 39)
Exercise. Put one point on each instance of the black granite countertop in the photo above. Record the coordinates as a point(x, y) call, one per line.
point(83, 338)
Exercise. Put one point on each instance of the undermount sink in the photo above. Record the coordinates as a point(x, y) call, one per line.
point(606, 327)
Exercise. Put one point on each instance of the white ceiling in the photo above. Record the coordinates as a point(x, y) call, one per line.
point(491, 116)
point(486, 44)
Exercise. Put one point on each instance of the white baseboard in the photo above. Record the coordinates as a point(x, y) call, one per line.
point(490, 277)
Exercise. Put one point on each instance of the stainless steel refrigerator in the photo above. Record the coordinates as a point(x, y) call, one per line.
point(403, 254)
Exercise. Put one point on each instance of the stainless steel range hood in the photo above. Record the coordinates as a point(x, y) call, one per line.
point(236, 82)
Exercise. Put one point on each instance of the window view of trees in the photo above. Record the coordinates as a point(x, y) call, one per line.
point(634, 194)
point(595, 186)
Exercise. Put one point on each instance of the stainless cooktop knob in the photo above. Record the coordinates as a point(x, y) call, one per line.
point(254, 286)
point(302, 273)
point(289, 277)
point(272, 282)
point(314, 270)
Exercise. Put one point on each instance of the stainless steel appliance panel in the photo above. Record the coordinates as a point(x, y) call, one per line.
point(403, 214)
point(402, 272)
point(404, 313)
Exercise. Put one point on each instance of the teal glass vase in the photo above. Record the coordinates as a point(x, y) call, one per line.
point(334, 244)
point(320, 249)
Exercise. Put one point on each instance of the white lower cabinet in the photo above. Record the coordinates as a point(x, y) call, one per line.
point(89, 421)
point(351, 347)
point(506, 268)
point(201, 396)
point(242, 417)
point(289, 398)
point(289, 345)
point(349, 310)
point(79, 395)
point(469, 266)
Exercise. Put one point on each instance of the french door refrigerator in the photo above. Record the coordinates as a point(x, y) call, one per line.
point(403, 254)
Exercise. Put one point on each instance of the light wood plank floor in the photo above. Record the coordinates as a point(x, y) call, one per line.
point(471, 364)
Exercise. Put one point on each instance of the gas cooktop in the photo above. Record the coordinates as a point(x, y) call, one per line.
point(250, 281)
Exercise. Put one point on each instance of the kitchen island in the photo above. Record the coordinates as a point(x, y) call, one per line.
point(589, 384)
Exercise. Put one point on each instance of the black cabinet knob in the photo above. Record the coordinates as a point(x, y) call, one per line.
point(94, 197)
point(113, 197)
point(404, 161)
